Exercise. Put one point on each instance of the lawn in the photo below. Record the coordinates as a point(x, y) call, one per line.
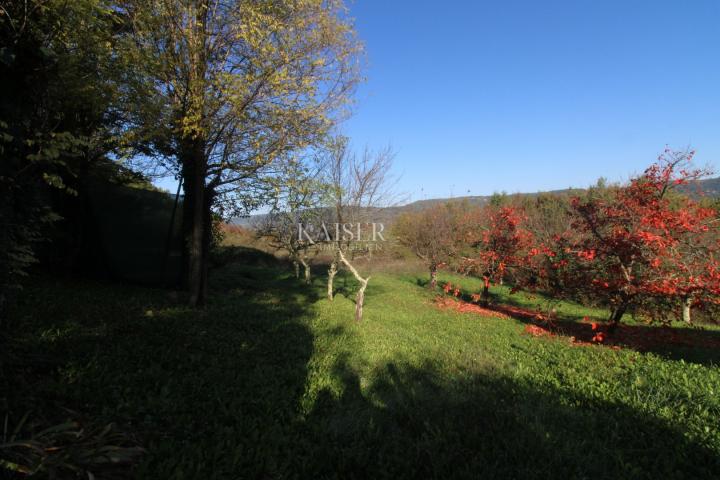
point(272, 380)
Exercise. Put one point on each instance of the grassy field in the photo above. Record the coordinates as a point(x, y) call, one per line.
point(271, 380)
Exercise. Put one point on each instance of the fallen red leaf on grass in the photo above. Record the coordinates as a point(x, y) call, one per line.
point(637, 337)
point(465, 307)
point(537, 331)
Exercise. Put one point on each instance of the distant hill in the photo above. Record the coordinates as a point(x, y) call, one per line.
point(475, 199)
point(710, 187)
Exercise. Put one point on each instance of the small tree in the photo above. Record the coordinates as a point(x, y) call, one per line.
point(500, 242)
point(280, 229)
point(430, 234)
point(296, 196)
point(358, 187)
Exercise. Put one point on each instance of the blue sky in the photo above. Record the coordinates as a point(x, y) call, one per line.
point(521, 96)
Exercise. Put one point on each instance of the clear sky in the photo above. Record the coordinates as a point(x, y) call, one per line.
point(521, 96)
point(529, 95)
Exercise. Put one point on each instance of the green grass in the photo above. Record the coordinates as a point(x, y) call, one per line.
point(542, 303)
point(271, 380)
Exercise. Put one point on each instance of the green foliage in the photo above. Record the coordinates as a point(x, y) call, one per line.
point(271, 380)
point(225, 91)
point(498, 199)
point(217, 235)
point(134, 240)
point(55, 78)
point(297, 194)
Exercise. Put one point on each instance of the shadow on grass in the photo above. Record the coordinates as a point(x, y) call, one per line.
point(688, 344)
point(695, 345)
point(227, 254)
point(346, 285)
point(217, 393)
point(211, 393)
point(414, 422)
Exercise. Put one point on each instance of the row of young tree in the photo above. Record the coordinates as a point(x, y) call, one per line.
point(645, 247)
point(320, 202)
point(219, 94)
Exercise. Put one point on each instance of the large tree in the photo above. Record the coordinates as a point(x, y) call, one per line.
point(235, 85)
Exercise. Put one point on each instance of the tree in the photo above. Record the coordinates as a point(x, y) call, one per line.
point(687, 270)
point(297, 194)
point(500, 241)
point(637, 245)
point(547, 215)
point(358, 187)
point(236, 84)
point(682, 241)
point(498, 199)
point(430, 234)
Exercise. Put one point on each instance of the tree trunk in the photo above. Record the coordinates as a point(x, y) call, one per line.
point(306, 267)
point(207, 242)
point(296, 266)
point(433, 276)
point(686, 315)
point(332, 271)
point(194, 159)
point(616, 316)
point(194, 221)
point(485, 297)
point(360, 298)
point(196, 250)
point(618, 313)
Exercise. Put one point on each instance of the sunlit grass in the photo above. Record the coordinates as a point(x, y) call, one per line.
point(273, 380)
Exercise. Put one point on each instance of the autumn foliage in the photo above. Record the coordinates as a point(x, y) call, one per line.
point(499, 241)
point(431, 235)
point(641, 246)
point(645, 247)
